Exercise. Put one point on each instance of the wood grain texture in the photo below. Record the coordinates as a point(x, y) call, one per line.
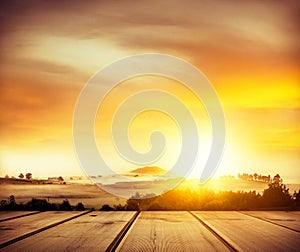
point(153, 231)
point(286, 219)
point(169, 231)
point(4, 215)
point(91, 232)
point(251, 234)
point(14, 228)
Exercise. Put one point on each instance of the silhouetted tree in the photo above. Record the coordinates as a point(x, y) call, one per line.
point(38, 205)
point(106, 208)
point(12, 205)
point(119, 207)
point(255, 175)
point(28, 175)
point(21, 176)
point(296, 199)
point(277, 194)
point(79, 207)
point(3, 205)
point(60, 178)
point(65, 206)
point(133, 204)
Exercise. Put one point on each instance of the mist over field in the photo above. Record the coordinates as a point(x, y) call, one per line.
point(93, 196)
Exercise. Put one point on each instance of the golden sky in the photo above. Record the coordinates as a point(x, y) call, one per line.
point(249, 50)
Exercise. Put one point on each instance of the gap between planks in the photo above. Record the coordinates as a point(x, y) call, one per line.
point(22, 237)
point(228, 244)
point(269, 221)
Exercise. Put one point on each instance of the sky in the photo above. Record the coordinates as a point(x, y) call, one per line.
point(249, 51)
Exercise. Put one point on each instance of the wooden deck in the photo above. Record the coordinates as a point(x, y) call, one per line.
point(150, 231)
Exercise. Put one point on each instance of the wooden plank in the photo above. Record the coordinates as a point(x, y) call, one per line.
point(118, 239)
point(169, 231)
point(229, 245)
point(92, 232)
point(8, 215)
point(289, 220)
point(250, 234)
point(14, 228)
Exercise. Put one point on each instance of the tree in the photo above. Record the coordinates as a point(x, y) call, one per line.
point(277, 194)
point(133, 204)
point(65, 206)
point(38, 205)
point(119, 207)
point(12, 200)
point(28, 175)
point(60, 178)
point(12, 203)
point(296, 198)
point(106, 208)
point(79, 207)
point(21, 176)
point(3, 205)
point(255, 175)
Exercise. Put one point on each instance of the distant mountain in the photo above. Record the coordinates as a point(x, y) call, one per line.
point(149, 170)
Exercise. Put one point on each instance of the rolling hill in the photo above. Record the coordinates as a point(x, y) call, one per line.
point(149, 170)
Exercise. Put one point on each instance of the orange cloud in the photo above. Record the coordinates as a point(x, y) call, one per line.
point(49, 49)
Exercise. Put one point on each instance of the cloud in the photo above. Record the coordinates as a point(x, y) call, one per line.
point(32, 111)
point(248, 49)
point(108, 19)
point(211, 33)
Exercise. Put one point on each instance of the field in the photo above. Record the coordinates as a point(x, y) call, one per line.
point(89, 195)
point(92, 196)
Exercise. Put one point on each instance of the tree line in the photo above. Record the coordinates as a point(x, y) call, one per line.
point(275, 197)
point(38, 205)
point(27, 176)
point(255, 177)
